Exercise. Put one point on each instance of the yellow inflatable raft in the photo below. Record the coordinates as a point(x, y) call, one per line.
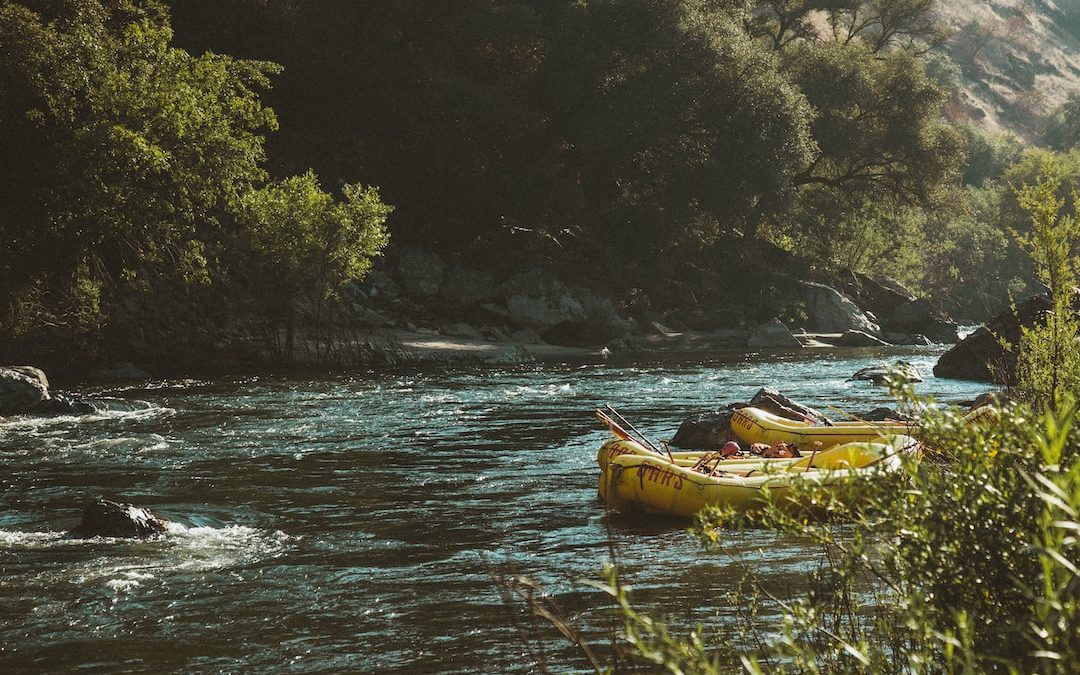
point(650, 483)
point(754, 425)
point(839, 456)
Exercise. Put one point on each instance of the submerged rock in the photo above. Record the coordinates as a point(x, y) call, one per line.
point(105, 518)
point(66, 404)
point(901, 370)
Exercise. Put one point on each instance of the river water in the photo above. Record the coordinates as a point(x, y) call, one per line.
point(349, 523)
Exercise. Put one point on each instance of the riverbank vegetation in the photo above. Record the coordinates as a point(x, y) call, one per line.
point(965, 562)
point(135, 176)
point(658, 152)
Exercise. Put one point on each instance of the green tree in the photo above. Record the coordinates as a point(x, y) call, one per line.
point(692, 128)
point(911, 25)
point(988, 154)
point(123, 152)
point(1063, 129)
point(306, 244)
point(1048, 366)
point(135, 159)
point(638, 125)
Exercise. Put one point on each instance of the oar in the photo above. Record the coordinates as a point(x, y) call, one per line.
point(614, 428)
point(623, 434)
point(641, 435)
point(642, 439)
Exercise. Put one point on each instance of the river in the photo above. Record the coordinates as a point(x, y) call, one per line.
point(348, 523)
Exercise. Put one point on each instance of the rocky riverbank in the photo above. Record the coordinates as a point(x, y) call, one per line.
point(419, 309)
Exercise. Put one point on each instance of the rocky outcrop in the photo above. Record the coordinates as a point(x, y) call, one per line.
point(903, 318)
point(829, 311)
point(421, 272)
point(21, 389)
point(981, 356)
point(879, 296)
point(105, 518)
point(773, 334)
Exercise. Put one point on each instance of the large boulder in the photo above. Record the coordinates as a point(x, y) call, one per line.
point(537, 300)
point(830, 311)
point(773, 334)
point(105, 518)
point(771, 400)
point(21, 389)
point(902, 371)
point(981, 357)
point(705, 431)
point(879, 296)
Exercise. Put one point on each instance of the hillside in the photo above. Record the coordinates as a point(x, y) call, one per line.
point(1017, 60)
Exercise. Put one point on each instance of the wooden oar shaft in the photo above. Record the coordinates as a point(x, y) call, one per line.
point(642, 436)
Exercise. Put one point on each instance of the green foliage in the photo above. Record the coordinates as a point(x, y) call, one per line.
point(883, 151)
point(965, 262)
point(308, 239)
point(134, 159)
point(306, 244)
point(693, 121)
point(964, 564)
point(632, 125)
point(877, 123)
point(1063, 128)
point(1048, 368)
point(988, 154)
point(128, 150)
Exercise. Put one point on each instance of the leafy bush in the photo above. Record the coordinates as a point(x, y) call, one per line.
point(967, 563)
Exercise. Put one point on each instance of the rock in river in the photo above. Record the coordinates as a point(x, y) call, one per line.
point(901, 370)
point(105, 518)
point(980, 356)
point(21, 388)
point(705, 431)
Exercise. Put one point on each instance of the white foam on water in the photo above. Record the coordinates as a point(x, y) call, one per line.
point(30, 540)
point(33, 424)
point(207, 548)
